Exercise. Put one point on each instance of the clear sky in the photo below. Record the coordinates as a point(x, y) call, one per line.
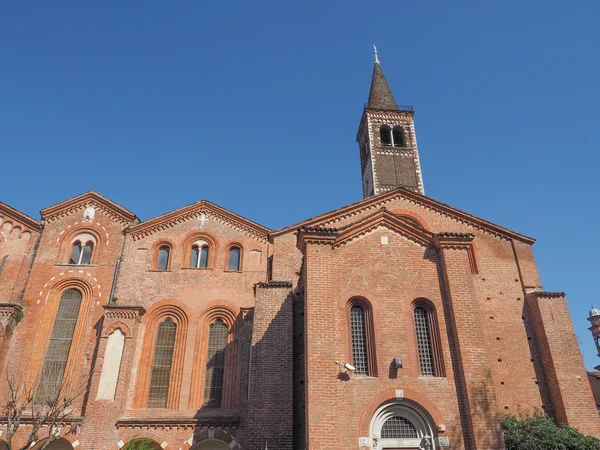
point(255, 106)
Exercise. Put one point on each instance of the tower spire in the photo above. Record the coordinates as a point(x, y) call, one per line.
point(380, 96)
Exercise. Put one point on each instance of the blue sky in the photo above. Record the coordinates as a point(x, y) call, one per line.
point(255, 106)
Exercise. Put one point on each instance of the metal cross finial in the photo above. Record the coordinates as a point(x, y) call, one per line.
point(376, 58)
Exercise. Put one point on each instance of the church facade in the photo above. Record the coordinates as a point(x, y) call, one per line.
point(394, 322)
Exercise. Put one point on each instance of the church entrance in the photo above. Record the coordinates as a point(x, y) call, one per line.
point(400, 425)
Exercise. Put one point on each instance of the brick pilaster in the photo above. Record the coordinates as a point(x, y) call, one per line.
point(474, 382)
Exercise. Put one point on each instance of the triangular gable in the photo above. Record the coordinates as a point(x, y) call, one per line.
point(382, 218)
point(380, 200)
point(88, 199)
point(23, 219)
point(195, 211)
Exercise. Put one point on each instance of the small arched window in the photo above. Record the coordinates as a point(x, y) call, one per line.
point(199, 258)
point(55, 361)
point(215, 364)
point(162, 262)
point(428, 340)
point(234, 260)
point(398, 137)
point(160, 378)
point(81, 254)
point(398, 428)
point(360, 357)
point(385, 133)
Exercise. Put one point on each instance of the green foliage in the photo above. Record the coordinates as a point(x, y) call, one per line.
point(19, 316)
point(139, 444)
point(539, 432)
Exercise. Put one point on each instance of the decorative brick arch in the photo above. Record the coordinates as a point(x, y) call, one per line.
point(389, 395)
point(44, 330)
point(199, 235)
point(128, 435)
point(226, 435)
point(117, 326)
point(157, 313)
point(71, 274)
point(66, 237)
point(63, 433)
point(411, 216)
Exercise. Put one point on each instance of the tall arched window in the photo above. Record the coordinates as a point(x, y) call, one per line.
point(385, 133)
point(161, 364)
point(234, 259)
point(359, 340)
point(162, 262)
point(428, 340)
point(398, 137)
point(55, 361)
point(81, 254)
point(199, 258)
point(215, 364)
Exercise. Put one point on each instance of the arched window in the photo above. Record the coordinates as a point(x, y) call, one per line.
point(428, 341)
point(385, 133)
point(75, 253)
point(360, 357)
point(161, 364)
point(162, 262)
point(233, 262)
point(402, 425)
point(398, 137)
point(199, 258)
point(215, 364)
point(55, 361)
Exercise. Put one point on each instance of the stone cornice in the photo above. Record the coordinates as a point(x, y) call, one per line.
point(178, 422)
point(89, 199)
point(454, 240)
point(194, 211)
point(17, 216)
point(274, 285)
point(381, 200)
point(123, 312)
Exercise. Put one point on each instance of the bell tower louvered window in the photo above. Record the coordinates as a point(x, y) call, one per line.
point(59, 346)
point(359, 340)
point(422, 327)
point(215, 364)
point(161, 364)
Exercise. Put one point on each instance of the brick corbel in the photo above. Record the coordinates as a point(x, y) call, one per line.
point(9, 317)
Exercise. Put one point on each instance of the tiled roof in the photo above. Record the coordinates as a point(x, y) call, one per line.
point(380, 96)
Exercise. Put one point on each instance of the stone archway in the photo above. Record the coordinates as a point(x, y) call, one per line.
point(401, 424)
point(59, 444)
point(210, 444)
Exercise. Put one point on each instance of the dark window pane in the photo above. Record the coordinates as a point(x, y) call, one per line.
point(234, 258)
point(59, 346)
point(163, 258)
point(398, 428)
point(2, 263)
point(424, 342)
point(215, 364)
point(204, 256)
point(75, 254)
point(86, 255)
point(161, 364)
point(195, 256)
point(398, 137)
point(386, 135)
point(359, 340)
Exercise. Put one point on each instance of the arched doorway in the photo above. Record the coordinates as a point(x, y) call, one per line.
point(401, 425)
point(59, 444)
point(210, 444)
point(142, 444)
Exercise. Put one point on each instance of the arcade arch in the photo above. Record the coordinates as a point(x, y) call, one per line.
point(401, 424)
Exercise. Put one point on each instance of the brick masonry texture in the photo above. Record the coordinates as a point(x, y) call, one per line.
point(500, 344)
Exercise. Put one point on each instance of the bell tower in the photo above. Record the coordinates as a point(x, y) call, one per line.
point(386, 138)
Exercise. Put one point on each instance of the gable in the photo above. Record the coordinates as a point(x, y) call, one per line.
point(17, 218)
point(199, 211)
point(396, 198)
point(89, 199)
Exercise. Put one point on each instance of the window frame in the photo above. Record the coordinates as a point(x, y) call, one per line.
point(205, 403)
point(398, 129)
point(369, 334)
point(439, 370)
point(230, 246)
point(156, 256)
point(386, 128)
point(188, 243)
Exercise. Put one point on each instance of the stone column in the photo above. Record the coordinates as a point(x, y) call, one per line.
point(476, 395)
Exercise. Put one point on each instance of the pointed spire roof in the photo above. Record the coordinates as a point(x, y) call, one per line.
point(380, 96)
